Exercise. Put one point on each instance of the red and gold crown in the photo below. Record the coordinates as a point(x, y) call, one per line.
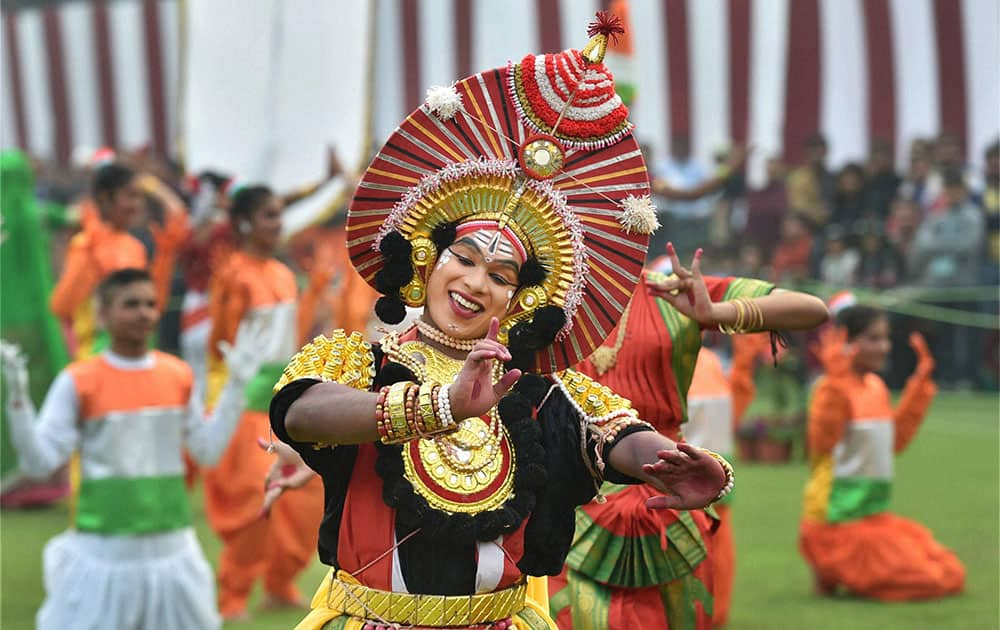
point(543, 148)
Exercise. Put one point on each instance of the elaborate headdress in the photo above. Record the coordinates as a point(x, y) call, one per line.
point(543, 150)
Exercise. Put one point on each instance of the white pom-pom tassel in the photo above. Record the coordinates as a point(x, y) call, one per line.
point(443, 101)
point(638, 215)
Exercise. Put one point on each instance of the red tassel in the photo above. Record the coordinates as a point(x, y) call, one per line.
point(607, 24)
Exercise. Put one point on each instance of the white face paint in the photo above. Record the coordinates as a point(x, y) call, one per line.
point(494, 244)
point(443, 259)
point(464, 292)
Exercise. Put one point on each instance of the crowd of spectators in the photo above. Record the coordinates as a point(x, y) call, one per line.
point(934, 227)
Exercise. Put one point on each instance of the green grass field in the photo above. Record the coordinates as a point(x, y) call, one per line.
point(948, 480)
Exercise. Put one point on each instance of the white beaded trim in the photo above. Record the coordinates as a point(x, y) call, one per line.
point(728, 469)
point(590, 78)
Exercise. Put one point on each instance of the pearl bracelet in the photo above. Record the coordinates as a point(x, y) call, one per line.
point(445, 419)
point(728, 469)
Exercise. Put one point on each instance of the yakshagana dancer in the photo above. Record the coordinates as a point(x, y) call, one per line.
point(513, 207)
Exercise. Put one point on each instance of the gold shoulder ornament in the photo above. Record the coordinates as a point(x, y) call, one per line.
point(603, 413)
point(339, 358)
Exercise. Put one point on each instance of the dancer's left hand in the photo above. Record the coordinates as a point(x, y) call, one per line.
point(244, 357)
point(925, 360)
point(15, 373)
point(690, 478)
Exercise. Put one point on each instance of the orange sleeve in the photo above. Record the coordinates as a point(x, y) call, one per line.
point(228, 303)
point(78, 280)
point(911, 409)
point(829, 413)
point(743, 387)
point(746, 350)
point(308, 302)
point(169, 240)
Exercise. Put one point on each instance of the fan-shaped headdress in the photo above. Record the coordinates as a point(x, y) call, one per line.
point(541, 149)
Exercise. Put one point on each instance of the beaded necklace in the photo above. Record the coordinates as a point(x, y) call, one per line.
point(437, 336)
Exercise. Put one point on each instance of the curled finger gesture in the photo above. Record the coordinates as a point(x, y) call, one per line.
point(473, 393)
point(687, 291)
point(690, 478)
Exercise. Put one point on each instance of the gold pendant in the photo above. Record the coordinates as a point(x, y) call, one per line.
point(483, 481)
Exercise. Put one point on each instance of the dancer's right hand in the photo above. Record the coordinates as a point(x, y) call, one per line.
point(473, 392)
point(925, 360)
point(15, 373)
point(244, 357)
point(833, 351)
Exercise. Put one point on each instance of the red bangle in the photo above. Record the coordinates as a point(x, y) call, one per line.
point(381, 417)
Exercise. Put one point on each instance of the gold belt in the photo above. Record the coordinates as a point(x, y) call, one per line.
point(346, 596)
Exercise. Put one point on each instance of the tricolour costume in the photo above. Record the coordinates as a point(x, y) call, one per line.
point(847, 534)
point(132, 559)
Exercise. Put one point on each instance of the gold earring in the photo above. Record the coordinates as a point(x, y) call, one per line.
point(422, 258)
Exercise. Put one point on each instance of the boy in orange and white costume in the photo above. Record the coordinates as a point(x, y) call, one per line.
point(132, 559)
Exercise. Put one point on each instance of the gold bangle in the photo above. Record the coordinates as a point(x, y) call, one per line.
point(425, 403)
point(395, 402)
point(756, 320)
point(749, 317)
point(760, 315)
point(737, 326)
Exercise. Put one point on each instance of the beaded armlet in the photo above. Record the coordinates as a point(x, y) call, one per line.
point(604, 413)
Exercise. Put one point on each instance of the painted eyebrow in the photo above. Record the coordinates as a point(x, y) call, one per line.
point(465, 240)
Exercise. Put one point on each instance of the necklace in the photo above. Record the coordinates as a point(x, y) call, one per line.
point(477, 457)
point(435, 335)
point(470, 457)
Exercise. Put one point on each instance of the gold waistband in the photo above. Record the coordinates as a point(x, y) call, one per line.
point(346, 596)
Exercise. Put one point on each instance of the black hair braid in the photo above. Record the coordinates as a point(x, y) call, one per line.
point(394, 275)
point(527, 338)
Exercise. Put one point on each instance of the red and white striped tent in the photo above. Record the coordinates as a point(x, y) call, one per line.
point(768, 72)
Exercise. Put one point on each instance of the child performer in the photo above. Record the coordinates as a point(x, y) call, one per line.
point(132, 560)
point(105, 246)
point(253, 285)
point(847, 535)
